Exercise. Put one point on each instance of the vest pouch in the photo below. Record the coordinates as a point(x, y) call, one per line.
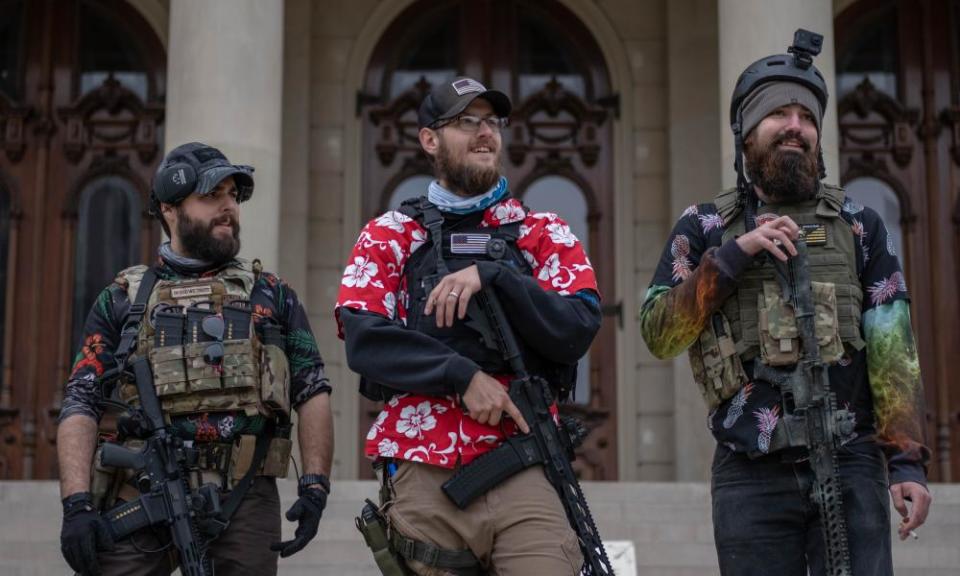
point(277, 462)
point(200, 375)
point(717, 368)
point(777, 325)
point(779, 338)
point(827, 322)
point(274, 378)
point(104, 482)
point(240, 366)
point(169, 370)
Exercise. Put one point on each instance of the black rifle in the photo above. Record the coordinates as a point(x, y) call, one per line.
point(546, 444)
point(163, 466)
point(811, 417)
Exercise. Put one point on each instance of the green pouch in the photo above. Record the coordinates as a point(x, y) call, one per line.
point(779, 338)
point(200, 375)
point(169, 370)
point(240, 365)
point(717, 368)
point(274, 378)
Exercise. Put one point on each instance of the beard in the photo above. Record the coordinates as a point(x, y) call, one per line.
point(783, 175)
point(462, 177)
point(199, 242)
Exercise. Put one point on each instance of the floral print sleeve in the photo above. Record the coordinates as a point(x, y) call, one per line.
point(101, 334)
point(373, 276)
point(555, 255)
point(893, 366)
point(692, 279)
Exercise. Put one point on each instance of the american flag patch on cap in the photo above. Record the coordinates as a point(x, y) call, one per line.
point(467, 85)
point(469, 243)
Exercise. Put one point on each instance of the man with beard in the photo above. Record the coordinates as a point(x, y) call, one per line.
point(402, 312)
point(715, 292)
point(233, 406)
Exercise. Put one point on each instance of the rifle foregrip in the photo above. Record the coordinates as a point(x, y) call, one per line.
point(489, 470)
point(117, 456)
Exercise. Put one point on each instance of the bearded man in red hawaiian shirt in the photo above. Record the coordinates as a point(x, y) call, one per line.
point(403, 320)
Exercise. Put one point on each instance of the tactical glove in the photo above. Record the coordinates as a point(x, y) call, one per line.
point(307, 510)
point(83, 533)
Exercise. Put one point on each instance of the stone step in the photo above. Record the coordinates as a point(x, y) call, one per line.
point(668, 524)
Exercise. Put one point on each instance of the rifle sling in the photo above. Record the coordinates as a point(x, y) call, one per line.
point(228, 507)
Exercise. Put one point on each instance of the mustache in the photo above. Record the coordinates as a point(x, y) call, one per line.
point(793, 137)
point(226, 219)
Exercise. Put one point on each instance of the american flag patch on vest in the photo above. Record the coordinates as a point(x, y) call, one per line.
point(469, 243)
point(815, 234)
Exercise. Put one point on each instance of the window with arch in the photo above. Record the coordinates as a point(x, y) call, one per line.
point(557, 147)
point(109, 50)
point(878, 195)
point(870, 52)
point(565, 198)
point(109, 216)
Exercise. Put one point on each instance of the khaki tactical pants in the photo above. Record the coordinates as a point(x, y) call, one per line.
point(244, 548)
point(518, 528)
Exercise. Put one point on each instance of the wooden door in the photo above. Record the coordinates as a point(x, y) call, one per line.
point(558, 148)
point(81, 102)
point(899, 113)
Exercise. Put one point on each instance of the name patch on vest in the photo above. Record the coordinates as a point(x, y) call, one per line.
point(191, 291)
point(816, 234)
point(469, 243)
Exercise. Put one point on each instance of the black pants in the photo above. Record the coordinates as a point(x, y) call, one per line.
point(244, 548)
point(765, 522)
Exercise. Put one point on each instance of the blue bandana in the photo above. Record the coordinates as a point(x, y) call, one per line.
point(447, 201)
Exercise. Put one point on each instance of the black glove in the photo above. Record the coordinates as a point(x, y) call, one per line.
point(307, 510)
point(83, 533)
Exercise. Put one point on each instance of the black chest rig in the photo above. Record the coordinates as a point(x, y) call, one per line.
point(454, 243)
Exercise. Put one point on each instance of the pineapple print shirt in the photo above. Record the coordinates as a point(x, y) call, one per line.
point(880, 384)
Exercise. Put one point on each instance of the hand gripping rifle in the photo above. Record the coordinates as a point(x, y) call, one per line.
point(811, 417)
point(546, 444)
point(163, 467)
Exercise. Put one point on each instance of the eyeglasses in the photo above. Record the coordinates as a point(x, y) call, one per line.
point(470, 123)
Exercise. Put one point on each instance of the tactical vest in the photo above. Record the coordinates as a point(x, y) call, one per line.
point(755, 323)
point(463, 243)
point(253, 375)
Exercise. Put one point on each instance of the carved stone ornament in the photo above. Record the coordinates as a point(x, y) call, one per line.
point(398, 130)
point(12, 121)
point(555, 120)
point(111, 118)
point(872, 123)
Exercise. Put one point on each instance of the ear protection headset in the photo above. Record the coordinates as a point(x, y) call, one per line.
point(176, 179)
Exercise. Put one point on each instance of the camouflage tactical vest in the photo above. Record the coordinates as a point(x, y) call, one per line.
point(253, 375)
point(756, 323)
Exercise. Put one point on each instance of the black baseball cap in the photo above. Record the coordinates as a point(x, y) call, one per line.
point(448, 99)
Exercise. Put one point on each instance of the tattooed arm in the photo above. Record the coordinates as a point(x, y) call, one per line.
point(693, 278)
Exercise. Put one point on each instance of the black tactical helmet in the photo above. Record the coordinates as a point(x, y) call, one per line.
point(796, 66)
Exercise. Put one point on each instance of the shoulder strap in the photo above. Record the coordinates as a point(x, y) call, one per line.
point(131, 326)
point(433, 222)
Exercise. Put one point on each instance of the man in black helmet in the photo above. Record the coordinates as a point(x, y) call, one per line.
point(715, 292)
point(224, 407)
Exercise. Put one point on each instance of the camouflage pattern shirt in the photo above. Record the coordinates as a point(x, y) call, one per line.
point(271, 298)
point(880, 384)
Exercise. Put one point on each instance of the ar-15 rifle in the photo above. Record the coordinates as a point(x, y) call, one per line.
point(811, 417)
point(162, 466)
point(546, 444)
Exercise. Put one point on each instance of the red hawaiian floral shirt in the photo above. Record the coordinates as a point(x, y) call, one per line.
point(430, 429)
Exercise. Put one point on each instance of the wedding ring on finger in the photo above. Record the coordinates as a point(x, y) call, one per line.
point(453, 294)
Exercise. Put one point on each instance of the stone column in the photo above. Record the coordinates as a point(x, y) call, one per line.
point(225, 88)
point(752, 29)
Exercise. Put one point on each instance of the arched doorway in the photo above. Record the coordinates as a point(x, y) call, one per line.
point(898, 94)
point(558, 148)
point(81, 104)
